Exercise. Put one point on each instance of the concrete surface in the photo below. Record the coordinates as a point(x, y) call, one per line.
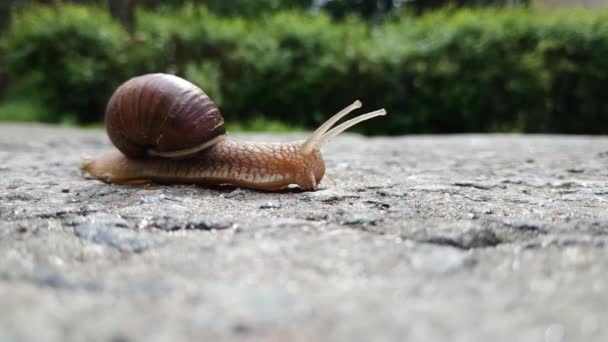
point(443, 238)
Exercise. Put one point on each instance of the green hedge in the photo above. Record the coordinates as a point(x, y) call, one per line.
point(451, 71)
point(67, 59)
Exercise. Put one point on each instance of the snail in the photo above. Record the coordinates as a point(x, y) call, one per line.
point(169, 131)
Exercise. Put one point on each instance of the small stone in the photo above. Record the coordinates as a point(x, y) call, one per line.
point(270, 205)
point(473, 185)
point(467, 239)
point(18, 196)
point(330, 196)
point(22, 228)
point(204, 223)
point(107, 219)
point(352, 218)
point(440, 259)
point(390, 192)
point(122, 239)
point(575, 170)
point(236, 193)
point(378, 204)
point(65, 191)
point(527, 226)
point(168, 223)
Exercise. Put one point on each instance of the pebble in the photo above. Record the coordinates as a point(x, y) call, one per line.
point(440, 259)
point(169, 223)
point(120, 238)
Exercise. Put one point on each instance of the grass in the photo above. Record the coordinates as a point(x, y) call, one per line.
point(22, 111)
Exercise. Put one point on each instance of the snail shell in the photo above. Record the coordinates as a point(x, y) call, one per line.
point(158, 114)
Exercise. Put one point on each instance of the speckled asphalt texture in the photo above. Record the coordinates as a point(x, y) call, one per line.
point(421, 238)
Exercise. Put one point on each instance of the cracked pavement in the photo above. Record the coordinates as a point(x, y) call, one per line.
point(459, 238)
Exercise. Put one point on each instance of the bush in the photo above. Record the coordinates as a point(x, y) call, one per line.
point(69, 58)
point(24, 110)
point(511, 70)
point(449, 71)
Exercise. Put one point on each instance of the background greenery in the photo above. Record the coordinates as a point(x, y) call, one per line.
point(450, 70)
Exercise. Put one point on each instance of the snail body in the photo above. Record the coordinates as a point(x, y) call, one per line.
point(169, 131)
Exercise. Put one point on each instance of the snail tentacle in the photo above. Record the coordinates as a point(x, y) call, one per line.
point(348, 124)
point(325, 132)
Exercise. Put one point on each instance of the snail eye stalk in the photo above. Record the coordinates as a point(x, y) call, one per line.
point(325, 133)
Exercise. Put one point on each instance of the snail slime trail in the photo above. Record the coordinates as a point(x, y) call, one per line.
point(169, 131)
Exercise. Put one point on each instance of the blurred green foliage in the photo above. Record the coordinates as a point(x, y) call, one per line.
point(456, 70)
point(122, 9)
point(69, 58)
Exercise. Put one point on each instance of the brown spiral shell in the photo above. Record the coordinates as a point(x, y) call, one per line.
point(161, 112)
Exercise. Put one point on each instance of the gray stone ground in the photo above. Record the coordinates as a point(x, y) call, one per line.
point(422, 238)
